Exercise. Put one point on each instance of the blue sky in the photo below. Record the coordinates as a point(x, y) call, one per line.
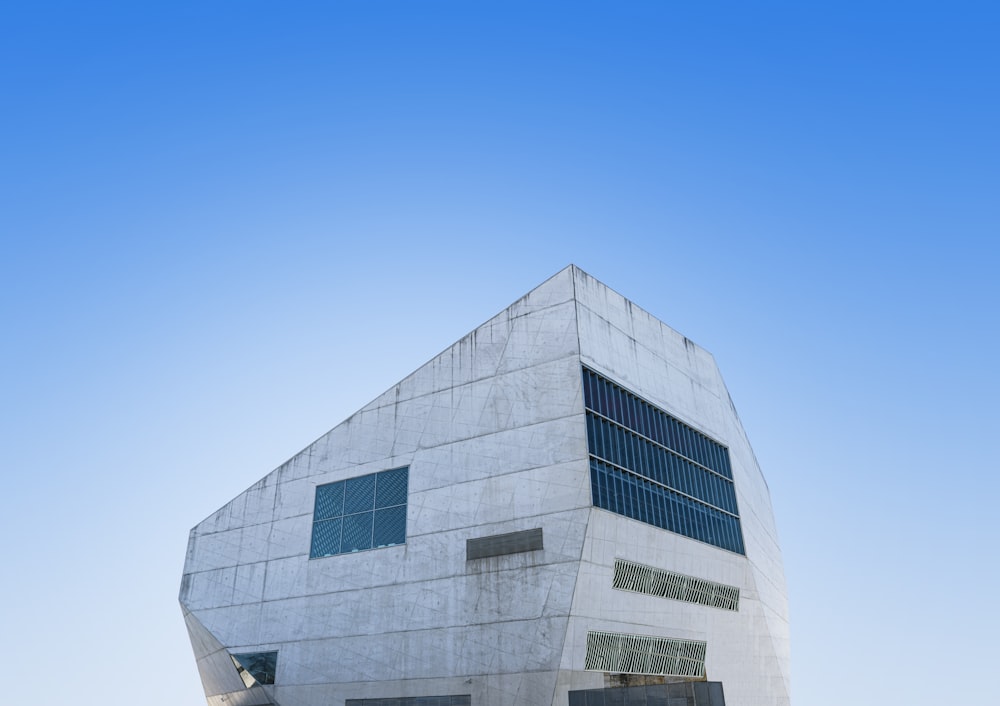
point(226, 226)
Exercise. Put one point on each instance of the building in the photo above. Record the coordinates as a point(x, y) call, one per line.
point(561, 508)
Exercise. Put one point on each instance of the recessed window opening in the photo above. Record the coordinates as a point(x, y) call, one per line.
point(256, 667)
point(366, 512)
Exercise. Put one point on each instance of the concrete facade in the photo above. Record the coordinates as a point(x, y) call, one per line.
point(494, 433)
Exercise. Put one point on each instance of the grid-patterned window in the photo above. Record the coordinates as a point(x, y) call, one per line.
point(647, 465)
point(457, 700)
point(367, 512)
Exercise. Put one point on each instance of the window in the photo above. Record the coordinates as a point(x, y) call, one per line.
point(367, 512)
point(256, 667)
point(458, 700)
point(647, 465)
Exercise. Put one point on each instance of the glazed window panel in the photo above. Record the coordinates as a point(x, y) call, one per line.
point(256, 667)
point(650, 466)
point(357, 532)
point(629, 450)
point(390, 526)
point(454, 700)
point(329, 501)
point(391, 488)
point(359, 494)
point(326, 537)
point(357, 514)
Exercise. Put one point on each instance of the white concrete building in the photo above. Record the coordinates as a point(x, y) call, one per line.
point(562, 501)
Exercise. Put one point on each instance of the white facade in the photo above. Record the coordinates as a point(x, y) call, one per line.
point(494, 433)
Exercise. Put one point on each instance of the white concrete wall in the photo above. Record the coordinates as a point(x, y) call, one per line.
point(492, 432)
point(748, 651)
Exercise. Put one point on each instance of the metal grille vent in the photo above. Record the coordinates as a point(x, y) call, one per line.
point(620, 653)
point(630, 576)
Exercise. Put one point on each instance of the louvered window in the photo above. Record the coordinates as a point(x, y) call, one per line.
point(631, 576)
point(620, 653)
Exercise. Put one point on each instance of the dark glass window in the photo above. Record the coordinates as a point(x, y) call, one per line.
point(457, 700)
point(652, 467)
point(259, 667)
point(360, 513)
point(329, 501)
point(391, 488)
point(390, 526)
point(359, 494)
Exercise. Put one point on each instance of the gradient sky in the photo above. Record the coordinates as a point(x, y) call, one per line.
point(225, 226)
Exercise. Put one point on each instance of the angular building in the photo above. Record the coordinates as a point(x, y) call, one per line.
point(561, 508)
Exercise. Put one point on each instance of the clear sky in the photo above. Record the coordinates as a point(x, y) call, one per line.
point(225, 226)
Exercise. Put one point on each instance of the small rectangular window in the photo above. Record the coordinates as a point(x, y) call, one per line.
point(359, 494)
point(256, 667)
point(456, 700)
point(366, 512)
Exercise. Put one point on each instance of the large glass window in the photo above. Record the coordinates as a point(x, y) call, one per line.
point(457, 700)
point(647, 465)
point(367, 512)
